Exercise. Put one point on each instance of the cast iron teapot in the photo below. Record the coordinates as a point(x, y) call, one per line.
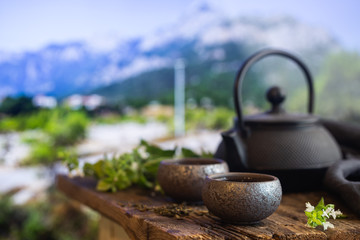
point(294, 147)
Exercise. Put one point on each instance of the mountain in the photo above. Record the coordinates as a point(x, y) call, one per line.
point(210, 43)
point(62, 69)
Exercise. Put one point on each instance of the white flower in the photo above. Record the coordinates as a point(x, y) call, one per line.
point(336, 213)
point(135, 166)
point(327, 225)
point(143, 153)
point(328, 212)
point(325, 214)
point(309, 207)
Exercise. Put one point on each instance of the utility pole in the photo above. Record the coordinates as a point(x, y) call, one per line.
point(179, 117)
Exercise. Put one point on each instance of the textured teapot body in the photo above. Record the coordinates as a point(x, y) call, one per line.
point(285, 148)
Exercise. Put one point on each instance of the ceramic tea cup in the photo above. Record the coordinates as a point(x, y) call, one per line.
point(183, 179)
point(242, 198)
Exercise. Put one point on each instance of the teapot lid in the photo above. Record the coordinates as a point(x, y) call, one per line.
point(277, 115)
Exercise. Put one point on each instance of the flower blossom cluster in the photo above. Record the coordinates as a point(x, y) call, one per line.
point(320, 214)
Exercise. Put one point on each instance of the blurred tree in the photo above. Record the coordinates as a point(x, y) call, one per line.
point(15, 106)
point(337, 88)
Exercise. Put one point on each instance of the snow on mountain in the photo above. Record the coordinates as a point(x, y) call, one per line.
point(211, 27)
point(139, 64)
point(192, 22)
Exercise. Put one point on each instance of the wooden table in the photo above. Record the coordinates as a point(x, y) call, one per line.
point(121, 211)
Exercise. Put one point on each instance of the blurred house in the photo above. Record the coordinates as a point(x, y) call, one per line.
point(155, 109)
point(90, 102)
point(44, 101)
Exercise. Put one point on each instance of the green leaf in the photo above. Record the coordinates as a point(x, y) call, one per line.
point(70, 159)
point(132, 175)
point(319, 213)
point(152, 166)
point(308, 214)
point(144, 182)
point(321, 203)
point(207, 154)
point(309, 221)
point(88, 170)
point(103, 185)
point(121, 179)
point(157, 151)
point(312, 224)
point(186, 152)
point(136, 157)
point(317, 221)
point(330, 206)
point(109, 169)
point(98, 168)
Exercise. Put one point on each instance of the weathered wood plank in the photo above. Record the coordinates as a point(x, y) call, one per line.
point(288, 222)
point(110, 230)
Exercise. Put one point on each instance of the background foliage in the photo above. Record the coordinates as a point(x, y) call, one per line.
point(337, 88)
point(54, 218)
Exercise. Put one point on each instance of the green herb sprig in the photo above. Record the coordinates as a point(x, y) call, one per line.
point(138, 167)
point(318, 215)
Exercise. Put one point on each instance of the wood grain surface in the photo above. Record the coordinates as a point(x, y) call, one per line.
point(110, 230)
point(288, 222)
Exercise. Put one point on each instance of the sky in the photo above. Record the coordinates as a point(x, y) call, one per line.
point(32, 24)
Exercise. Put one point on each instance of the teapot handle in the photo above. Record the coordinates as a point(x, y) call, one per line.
point(244, 69)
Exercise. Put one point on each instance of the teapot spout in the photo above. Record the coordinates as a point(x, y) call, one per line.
point(235, 154)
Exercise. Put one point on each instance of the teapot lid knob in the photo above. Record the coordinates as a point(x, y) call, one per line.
point(276, 97)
